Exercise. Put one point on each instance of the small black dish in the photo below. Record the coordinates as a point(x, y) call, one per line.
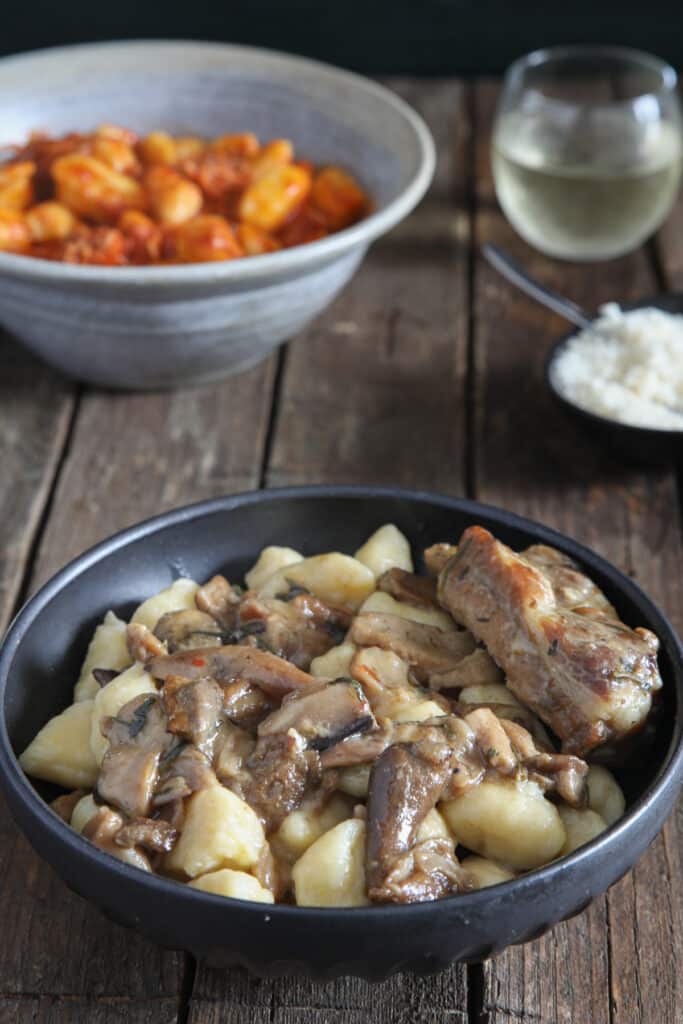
point(641, 445)
point(39, 662)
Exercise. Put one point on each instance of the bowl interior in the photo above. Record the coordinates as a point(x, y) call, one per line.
point(203, 89)
point(47, 648)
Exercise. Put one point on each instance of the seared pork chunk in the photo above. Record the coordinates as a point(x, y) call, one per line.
point(587, 676)
point(154, 834)
point(280, 771)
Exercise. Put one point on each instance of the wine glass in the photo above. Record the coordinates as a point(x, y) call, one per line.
point(587, 149)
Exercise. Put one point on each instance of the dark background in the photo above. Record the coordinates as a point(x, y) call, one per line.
point(422, 36)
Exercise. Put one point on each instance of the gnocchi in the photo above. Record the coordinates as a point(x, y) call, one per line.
point(206, 200)
point(331, 873)
point(263, 748)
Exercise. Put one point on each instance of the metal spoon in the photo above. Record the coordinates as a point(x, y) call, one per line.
point(512, 271)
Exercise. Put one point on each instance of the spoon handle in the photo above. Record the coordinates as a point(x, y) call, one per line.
point(512, 271)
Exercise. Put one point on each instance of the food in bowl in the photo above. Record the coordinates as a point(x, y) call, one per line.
point(627, 367)
point(112, 198)
point(345, 732)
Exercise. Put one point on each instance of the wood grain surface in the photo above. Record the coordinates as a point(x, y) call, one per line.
point(426, 372)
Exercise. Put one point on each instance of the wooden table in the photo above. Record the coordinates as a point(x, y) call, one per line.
point(426, 372)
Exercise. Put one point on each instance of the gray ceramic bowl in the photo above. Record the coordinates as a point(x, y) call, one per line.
point(155, 327)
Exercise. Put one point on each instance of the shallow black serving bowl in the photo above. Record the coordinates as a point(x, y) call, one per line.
point(41, 656)
point(642, 445)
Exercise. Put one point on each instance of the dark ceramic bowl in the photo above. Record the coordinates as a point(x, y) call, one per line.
point(40, 660)
point(641, 445)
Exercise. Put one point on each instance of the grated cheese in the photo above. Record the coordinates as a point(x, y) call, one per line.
point(627, 367)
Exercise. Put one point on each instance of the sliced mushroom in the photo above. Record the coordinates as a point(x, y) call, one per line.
point(227, 664)
point(141, 722)
point(427, 649)
point(322, 717)
point(184, 770)
point(493, 740)
point(127, 779)
point(102, 830)
point(219, 600)
point(64, 805)
point(299, 628)
point(142, 644)
point(246, 705)
point(189, 628)
point(155, 834)
point(194, 709)
point(476, 669)
point(436, 557)
point(233, 749)
point(405, 784)
point(280, 771)
point(409, 587)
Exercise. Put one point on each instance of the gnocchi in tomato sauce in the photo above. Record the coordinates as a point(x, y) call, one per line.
point(113, 198)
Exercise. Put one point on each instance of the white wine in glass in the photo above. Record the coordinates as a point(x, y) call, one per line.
point(581, 173)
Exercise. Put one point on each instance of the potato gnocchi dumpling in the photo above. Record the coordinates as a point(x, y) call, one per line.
point(113, 198)
point(509, 822)
point(386, 549)
point(61, 751)
point(220, 831)
point(180, 596)
point(107, 650)
point(327, 735)
point(237, 884)
point(331, 873)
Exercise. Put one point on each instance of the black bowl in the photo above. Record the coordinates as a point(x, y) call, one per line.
point(42, 653)
point(641, 445)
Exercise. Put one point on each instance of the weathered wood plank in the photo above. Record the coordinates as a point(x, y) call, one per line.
point(618, 961)
point(136, 455)
point(131, 456)
point(71, 1010)
point(374, 393)
point(36, 405)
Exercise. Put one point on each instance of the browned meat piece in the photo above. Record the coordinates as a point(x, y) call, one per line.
point(156, 835)
point(273, 675)
point(194, 709)
point(426, 649)
point(322, 717)
point(64, 805)
point(299, 629)
point(405, 784)
point(281, 770)
point(188, 628)
point(246, 705)
point(184, 770)
point(436, 557)
point(477, 669)
point(142, 643)
point(408, 587)
point(127, 779)
point(571, 587)
point(141, 722)
point(219, 600)
point(588, 677)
